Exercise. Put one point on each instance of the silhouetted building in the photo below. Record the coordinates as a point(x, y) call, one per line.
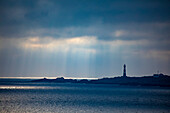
point(124, 70)
point(159, 75)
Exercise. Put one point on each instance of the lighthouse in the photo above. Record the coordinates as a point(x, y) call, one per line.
point(124, 70)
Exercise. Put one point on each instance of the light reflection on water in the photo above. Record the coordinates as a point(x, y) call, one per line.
point(26, 87)
point(21, 97)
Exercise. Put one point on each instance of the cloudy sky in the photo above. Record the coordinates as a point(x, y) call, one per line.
point(84, 38)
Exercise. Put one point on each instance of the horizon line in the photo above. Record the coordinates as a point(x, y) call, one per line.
point(20, 77)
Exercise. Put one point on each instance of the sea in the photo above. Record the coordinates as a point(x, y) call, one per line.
point(23, 96)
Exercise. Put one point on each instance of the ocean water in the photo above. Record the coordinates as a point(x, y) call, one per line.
point(19, 96)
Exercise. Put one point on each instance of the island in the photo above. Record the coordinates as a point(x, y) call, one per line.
point(155, 80)
point(162, 81)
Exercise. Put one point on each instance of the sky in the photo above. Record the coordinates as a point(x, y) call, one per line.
point(84, 38)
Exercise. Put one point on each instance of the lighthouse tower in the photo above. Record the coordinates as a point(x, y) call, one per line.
point(124, 70)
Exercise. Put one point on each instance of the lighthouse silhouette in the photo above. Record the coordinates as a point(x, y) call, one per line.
point(124, 70)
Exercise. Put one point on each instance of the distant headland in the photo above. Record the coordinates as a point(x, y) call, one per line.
point(155, 80)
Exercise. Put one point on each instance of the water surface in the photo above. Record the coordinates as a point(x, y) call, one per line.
point(23, 96)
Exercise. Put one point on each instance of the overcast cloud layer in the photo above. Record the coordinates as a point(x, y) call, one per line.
point(84, 38)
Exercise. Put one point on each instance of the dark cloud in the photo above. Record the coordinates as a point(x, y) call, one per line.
point(18, 18)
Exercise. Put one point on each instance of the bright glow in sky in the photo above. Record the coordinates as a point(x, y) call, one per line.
point(84, 38)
